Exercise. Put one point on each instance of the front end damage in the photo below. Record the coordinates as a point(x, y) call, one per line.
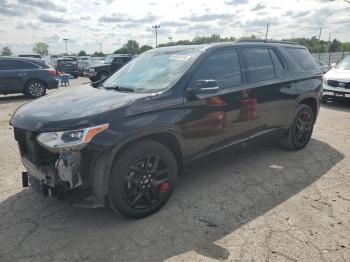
point(61, 174)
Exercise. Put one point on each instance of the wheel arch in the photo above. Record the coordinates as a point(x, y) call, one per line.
point(312, 103)
point(31, 80)
point(103, 163)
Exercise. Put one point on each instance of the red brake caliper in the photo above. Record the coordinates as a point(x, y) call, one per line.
point(164, 187)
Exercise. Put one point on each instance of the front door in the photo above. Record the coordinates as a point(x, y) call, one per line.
point(214, 121)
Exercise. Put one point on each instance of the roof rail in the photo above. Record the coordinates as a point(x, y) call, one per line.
point(267, 41)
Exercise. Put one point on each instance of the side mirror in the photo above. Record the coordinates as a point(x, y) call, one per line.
point(202, 87)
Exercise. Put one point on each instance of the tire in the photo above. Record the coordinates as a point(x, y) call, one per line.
point(35, 89)
point(299, 133)
point(102, 75)
point(75, 76)
point(135, 191)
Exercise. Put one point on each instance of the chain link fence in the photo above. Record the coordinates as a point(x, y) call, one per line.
point(330, 58)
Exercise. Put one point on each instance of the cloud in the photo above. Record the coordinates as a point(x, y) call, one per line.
point(43, 4)
point(119, 17)
point(236, 2)
point(51, 19)
point(29, 25)
point(209, 17)
point(294, 14)
point(8, 9)
point(259, 7)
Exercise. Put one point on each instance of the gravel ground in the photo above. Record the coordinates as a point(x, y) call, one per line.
point(252, 203)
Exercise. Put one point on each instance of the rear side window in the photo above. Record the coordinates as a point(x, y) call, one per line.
point(258, 64)
point(222, 66)
point(303, 58)
point(279, 68)
point(16, 64)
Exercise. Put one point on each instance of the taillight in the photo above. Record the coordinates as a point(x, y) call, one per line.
point(52, 71)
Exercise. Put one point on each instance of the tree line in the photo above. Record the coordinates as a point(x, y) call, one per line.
point(134, 48)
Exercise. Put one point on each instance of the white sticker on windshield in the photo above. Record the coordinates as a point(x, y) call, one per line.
point(180, 57)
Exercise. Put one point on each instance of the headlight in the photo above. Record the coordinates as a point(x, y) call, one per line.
point(69, 140)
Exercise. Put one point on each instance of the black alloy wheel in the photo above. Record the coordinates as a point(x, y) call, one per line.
point(300, 132)
point(146, 182)
point(143, 178)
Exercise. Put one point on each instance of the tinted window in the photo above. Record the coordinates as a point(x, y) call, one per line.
point(222, 66)
point(16, 64)
point(303, 58)
point(279, 68)
point(259, 64)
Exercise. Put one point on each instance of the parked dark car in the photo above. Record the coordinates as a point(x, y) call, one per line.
point(68, 65)
point(111, 64)
point(29, 76)
point(126, 140)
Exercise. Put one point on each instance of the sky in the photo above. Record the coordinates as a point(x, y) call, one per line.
point(87, 23)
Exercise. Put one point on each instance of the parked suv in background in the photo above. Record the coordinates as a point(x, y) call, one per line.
point(337, 81)
point(68, 65)
point(111, 64)
point(126, 140)
point(26, 75)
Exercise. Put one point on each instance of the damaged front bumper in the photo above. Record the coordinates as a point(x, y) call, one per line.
point(63, 180)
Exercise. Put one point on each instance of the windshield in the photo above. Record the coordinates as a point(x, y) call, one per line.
point(152, 71)
point(344, 64)
point(108, 60)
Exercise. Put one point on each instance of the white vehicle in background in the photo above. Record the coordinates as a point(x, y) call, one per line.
point(336, 82)
point(51, 59)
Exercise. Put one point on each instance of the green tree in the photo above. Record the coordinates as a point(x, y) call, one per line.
point(145, 48)
point(98, 54)
point(6, 51)
point(82, 53)
point(131, 47)
point(41, 48)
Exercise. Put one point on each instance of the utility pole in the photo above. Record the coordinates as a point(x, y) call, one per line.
point(267, 31)
point(100, 47)
point(319, 44)
point(170, 39)
point(66, 41)
point(329, 48)
point(156, 27)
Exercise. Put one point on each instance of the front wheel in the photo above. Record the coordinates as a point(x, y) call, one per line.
point(35, 89)
point(142, 179)
point(299, 133)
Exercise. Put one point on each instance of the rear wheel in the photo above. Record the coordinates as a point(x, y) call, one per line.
point(142, 180)
point(300, 131)
point(35, 89)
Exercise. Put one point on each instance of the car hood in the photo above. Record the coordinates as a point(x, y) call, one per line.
point(79, 107)
point(338, 74)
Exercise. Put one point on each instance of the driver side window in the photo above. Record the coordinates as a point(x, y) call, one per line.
point(222, 66)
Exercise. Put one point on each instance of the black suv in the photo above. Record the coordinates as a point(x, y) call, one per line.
point(126, 140)
point(111, 64)
point(26, 75)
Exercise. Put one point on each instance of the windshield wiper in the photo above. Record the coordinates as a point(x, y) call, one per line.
point(119, 88)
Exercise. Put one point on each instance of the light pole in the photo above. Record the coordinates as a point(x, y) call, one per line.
point(319, 44)
point(267, 31)
point(156, 27)
point(66, 41)
point(100, 47)
point(170, 39)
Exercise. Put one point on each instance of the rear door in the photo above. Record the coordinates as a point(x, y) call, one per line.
point(13, 74)
point(266, 75)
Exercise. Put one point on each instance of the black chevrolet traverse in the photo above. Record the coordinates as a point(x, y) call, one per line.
point(125, 140)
